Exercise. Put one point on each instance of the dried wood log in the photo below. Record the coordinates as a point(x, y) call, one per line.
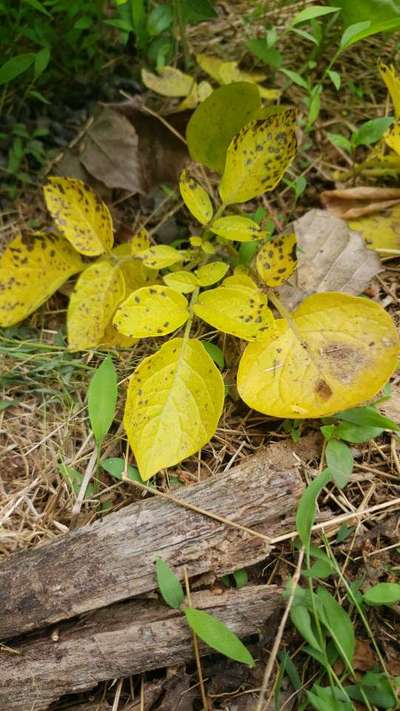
point(123, 639)
point(113, 559)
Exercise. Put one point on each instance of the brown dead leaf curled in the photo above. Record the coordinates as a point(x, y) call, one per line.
point(330, 256)
point(357, 202)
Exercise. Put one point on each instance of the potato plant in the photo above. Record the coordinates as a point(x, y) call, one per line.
point(331, 353)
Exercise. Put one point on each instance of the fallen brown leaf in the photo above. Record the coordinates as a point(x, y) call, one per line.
point(357, 202)
point(330, 256)
point(364, 658)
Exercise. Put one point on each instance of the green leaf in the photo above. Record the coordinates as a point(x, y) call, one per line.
point(340, 141)
point(335, 78)
point(231, 107)
point(367, 417)
point(217, 635)
point(351, 33)
point(159, 19)
point(356, 434)
point(169, 585)
point(83, 23)
point(376, 687)
point(38, 6)
point(315, 104)
point(268, 55)
point(314, 11)
point(296, 78)
point(325, 698)
point(361, 30)
point(306, 508)
point(102, 399)
point(358, 10)
point(301, 619)
point(7, 403)
point(138, 16)
point(383, 594)
point(340, 461)
point(215, 353)
point(194, 11)
point(42, 59)
point(371, 131)
point(15, 66)
point(74, 480)
point(116, 467)
point(241, 578)
point(339, 625)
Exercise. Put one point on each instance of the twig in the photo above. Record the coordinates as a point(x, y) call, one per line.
point(196, 649)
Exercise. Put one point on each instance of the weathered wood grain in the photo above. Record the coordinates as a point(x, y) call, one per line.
point(113, 559)
point(123, 639)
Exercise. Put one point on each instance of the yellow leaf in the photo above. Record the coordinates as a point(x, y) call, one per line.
point(31, 270)
point(392, 81)
point(237, 309)
point(230, 72)
point(136, 274)
point(204, 89)
point(258, 156)
point(211, 65)
point(340, 353)
point(139, 242)
point(269, 94)
point(98, 291)
point(227, 72)
point(196, 241)
point(190, 101)
point(181, 281)
point(276, 260)
point(380, 231)
point(151, 311)
point(211, 273)
point(171, 82)
point(237, 228)
point(161, 256)
point(207, 247)
point(175, 399)
point(392, 138)
point(80, 215)
point(240, 279)
point(196, 199)
point(114, 339)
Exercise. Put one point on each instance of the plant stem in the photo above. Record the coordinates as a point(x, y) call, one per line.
point(196, 649)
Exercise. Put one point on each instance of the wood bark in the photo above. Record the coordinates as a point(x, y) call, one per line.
point(113, 559)
point(123, 639)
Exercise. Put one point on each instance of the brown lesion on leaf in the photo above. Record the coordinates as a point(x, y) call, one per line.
point(344, 361)
point(323, 389)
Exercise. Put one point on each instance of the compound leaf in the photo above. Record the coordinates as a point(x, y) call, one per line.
point(230, 107)
point(31, 270)
point(258, 156)
point(151, 311)
point(182, 281)
point(171, 82)
point(196, 199)
point(238, 310)
point(175, 399)
point(337, 351)
point(237, 228)
point(80, 215)
point(276, 260)
point(161, 256)
point(209, 274)
point(98, 291)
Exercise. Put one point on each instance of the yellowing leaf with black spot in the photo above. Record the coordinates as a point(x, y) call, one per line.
point(114, 339)
point(219, 118)
point(175, 400)
point(196, 199)
point(381, 231)
point(139, 242)
point(392, 81)
point(170, 82)
point(98, 291)
point(161, 256)
point(238, 310)
point(258, 156)
point(31, 270)
point(209, 274)
point(338, 353)
point(240, 279)
point(181, 281)
point(151, 311)
point(80, 215)
point(136, 274)
point(392, 138)
point(276, 260)
point(237, 228)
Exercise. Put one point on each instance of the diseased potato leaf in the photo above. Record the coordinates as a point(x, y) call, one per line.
point(170, 82)
point(175, 399)
point(136, 274)
point(238, 310)
point(97, 293)
point(139, 242)
point(258, 156)
point(151, 311)
point(196, 199)
point(276, 260)
point(392, 81)
point(209, 274)
point(182, 281)
point(31, 270)
point(242, 279)
point(237, 228)
point(230, 108)
point(80, 215)
point(340, 352)
point(161, 256)
point(380, 231)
